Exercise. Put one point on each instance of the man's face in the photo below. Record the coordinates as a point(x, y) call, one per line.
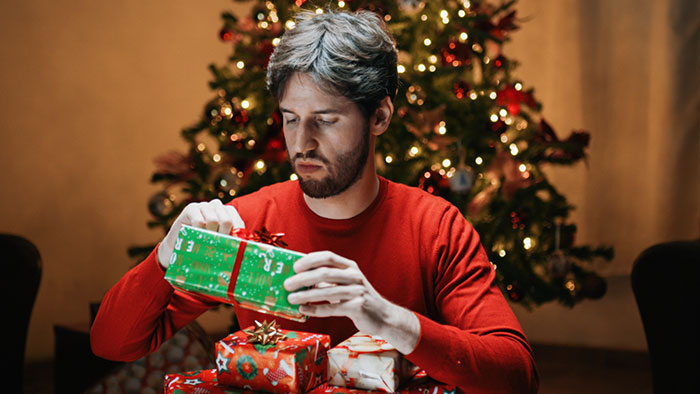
point(327, 137)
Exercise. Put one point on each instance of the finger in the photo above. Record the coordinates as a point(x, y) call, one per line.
point(211, 219)
point(225, 219)
point(322, 259)
point(345, 308)
point(323, 274)
point(193, 216)
point(333, 294)
point(235, 217)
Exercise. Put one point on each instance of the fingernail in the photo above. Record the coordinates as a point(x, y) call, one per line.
point(291, 298)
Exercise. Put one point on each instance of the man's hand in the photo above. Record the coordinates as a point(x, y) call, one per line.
point(337, 287)
point(212, 215)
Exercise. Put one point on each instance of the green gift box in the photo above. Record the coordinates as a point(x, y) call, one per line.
point(234, 271)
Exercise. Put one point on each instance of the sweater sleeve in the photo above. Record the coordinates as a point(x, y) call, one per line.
point(141, 312)
point(477, 344)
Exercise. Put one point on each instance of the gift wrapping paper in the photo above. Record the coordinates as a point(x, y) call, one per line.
point(197, 382)
point(234, 270)
point(368, 362)
point(295, 364)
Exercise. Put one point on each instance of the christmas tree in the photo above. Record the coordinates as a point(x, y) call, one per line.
point(464, 128)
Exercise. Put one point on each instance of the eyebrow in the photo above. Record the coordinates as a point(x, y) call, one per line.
point(319, 112)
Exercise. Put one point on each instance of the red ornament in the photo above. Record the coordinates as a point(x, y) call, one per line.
point(460, 88)
point(511, 98)
point(499, 127)
point(240, 117)
point(225, 34)
point(500, 61)
point(515, 293)
point(456, 54)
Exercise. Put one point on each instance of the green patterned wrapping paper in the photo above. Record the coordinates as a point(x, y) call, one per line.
point(204, 261)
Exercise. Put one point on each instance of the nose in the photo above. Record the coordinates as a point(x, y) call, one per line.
point(305, 137)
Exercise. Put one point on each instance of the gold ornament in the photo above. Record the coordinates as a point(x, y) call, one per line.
point(265, 333)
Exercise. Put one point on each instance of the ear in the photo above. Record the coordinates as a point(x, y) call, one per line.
point(380, 120)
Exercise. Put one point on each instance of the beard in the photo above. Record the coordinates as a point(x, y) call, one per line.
point(343, 172)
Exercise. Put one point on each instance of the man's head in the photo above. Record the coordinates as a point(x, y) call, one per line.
point(334, 76)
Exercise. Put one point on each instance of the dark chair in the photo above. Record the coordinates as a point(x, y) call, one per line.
point(19, 282)
point(665, 281)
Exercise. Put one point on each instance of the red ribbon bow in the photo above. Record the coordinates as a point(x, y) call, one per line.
point(262, 235)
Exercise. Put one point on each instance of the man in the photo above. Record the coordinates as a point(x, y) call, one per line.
point(401, 263)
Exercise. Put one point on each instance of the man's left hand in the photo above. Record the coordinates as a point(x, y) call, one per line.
point(337, 287)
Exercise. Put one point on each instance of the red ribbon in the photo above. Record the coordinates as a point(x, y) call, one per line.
point(262, 235)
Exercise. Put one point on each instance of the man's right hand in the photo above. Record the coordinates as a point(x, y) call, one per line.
point(212, 215)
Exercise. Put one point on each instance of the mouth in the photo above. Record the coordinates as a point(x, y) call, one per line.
point(305, 167)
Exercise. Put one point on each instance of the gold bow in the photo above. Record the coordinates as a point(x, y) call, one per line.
point(265, 333)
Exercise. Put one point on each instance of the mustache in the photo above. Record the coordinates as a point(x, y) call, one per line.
point(312, 154)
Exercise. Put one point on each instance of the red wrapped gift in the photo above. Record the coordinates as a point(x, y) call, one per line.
point(420, 384)
point(294, 364)
point(197, 382)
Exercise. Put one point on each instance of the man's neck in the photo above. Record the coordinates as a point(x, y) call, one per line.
point(352, 201)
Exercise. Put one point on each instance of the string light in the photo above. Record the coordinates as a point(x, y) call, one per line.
point(216, 158)
point(401, 69)
point(264, 25)
point(245, 104)
point(522, 168)
point(275, 41)
point(509, 121)
point(461, 13)
point(527, 243)
point(502, 253)
point(503, 112)
point(494, 118)
point(260, 164)
point(251, 143)
point(432, 59)
point(478, 160)
point(231, 192)
point(424, 17)
point(446, 163)
point(443, 14)
point(387, 18)
point(463, 36)
point(341, 4)
point(293, 177)
point(445, 20)
point(388, 159)
point(413, 151)
point(441, 128)
point(518, 86)
point(432, 68)
point(513, 149)
point(290, 24)
point(240, 64)
point(319, 11)
point(504, 138)
point(421, 67)
point(201, 147)
point(473, 95)
point(427, 42)
point(570, 285)
point(493, 95)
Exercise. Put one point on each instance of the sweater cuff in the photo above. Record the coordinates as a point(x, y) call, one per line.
point(154, 274)
point(433, 337)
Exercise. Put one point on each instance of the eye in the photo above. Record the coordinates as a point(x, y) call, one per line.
point(326, 122)
point(290, 120)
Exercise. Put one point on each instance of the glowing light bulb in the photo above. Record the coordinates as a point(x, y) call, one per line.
point(421, 67)
point(503, 112)
point(240, 64)
point(319, 11)
point(441, 128)
point(424, 17)
point(513, 149)
point(245, 104)
point(432, 68)
point(293, 177)
point(518, 86)
point(216, 158)
point(461, 13)
point(527, 243)
point(494, 118)
point(504, 138)
point(275, 41)
point(201, 147)
point(290, 24)
point(413, 151)
point(259, 164)
point(432, 59)
point(427, 42)
point(446, 163)
point(493, 95)
point(445, 20)
point(443, 14)
point(463, 36)
point(478, 160)
point(388, 159)
point(522, 168)
point(341, 4)
point(473, 95)
point(502, 253)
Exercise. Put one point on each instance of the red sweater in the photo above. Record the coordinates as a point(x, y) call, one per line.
point(416, 249)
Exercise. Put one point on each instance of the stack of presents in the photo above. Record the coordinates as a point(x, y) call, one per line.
point(248, 268)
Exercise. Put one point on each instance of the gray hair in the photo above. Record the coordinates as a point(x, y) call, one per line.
point(351, 54)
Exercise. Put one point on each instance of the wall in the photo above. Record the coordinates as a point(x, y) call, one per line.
point(93, 91)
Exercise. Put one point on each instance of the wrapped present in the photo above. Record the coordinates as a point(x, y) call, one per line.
point(234, 270)
point(368, 362)
point(265, 358)
point(198, 382)
point(426, 386)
